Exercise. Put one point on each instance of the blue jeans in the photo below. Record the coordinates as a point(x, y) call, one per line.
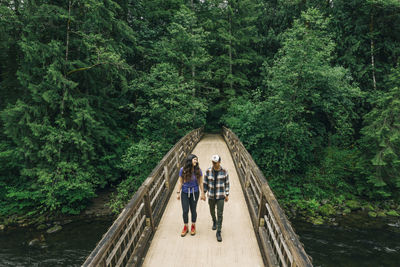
point(189, 202)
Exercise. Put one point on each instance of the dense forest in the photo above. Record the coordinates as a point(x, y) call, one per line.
point(93, 93)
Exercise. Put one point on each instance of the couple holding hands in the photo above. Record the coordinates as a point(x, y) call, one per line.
point(191, 185)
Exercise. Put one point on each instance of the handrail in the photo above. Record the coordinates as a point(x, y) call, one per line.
point(279, 244)
point(127, 239)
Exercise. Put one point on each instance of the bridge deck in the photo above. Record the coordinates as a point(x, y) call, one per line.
point(239, 246)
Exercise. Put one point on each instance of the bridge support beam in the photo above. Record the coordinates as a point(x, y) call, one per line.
point(166, 175)
point(149, 213)
point(261, 210)
point(247, 178)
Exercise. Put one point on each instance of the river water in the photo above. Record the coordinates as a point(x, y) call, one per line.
point(356, 241)
point(68, 247)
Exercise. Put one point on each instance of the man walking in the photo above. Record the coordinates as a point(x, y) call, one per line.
point(216, 182)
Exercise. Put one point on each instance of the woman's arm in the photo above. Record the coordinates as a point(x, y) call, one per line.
point(201, 185)
point(180, 182)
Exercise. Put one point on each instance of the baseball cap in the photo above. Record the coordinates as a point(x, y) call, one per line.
point(216, 158)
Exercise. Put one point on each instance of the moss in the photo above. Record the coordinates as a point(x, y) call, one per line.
point(381, 214)
point(54, 229)
point(372, 214)
point(353, 204)
point(317, 221)
point(393, 213)
point(327, 210)
point(368, 207)
point(41, 227)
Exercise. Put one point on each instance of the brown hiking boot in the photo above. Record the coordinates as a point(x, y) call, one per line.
point(193, 230)
point(184, 231)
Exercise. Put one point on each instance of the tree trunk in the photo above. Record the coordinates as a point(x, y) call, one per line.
point(230, 52)
point(66, 54)
point(65, 74)
point(371, 28)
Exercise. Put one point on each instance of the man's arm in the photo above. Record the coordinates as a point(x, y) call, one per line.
point(205, 182)
point(227, 186)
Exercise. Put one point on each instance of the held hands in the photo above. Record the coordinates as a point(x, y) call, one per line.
point(178, 196)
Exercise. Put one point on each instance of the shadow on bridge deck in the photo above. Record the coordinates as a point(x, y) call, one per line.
point(239, 246)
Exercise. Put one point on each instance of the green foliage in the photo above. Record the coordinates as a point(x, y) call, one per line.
point(332, 180)
point(137, 163)
point(381, 141)
point(66, 125)
point(93, 93)
point(184, 48)
point(166, 110)
point(166, 106)
point(309, 98)
point(306, 101)
point(364, 30)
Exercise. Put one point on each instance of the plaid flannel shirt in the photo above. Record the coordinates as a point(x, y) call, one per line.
point(217, 188)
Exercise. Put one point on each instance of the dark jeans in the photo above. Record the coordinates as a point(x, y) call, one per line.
point(220, 210)
point(189, 202)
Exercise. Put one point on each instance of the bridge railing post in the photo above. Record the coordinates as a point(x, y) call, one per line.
point(261, 208)
point(177, 159)
point(247, 178)
point(148, 211)
point(166, 175)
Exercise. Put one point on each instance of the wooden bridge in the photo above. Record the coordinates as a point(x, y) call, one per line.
point(255, 230)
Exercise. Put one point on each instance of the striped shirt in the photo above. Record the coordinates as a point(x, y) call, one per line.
point(217, 188)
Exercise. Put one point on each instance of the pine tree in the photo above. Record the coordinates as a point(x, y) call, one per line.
point(307, 100)
point(367, 37)
point(184, 48)
point(67, 123)
point(234, 39)
point(166, 106)
point(381, 142)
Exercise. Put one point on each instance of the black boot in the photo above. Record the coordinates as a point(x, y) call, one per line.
point(219, 238)
point(214, 227)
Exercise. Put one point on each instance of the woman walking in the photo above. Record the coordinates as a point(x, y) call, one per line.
point(190, 185)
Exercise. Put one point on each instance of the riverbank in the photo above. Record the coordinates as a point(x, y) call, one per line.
point(325, 212)
point(98, 209)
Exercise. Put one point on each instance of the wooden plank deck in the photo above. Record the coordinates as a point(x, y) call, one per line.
point(239, 246)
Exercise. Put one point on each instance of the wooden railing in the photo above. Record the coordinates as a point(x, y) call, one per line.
point(127, 240)
point(279, 244)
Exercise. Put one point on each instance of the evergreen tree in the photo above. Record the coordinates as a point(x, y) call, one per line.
point(277, 17)
point(166, 106)
point(381, 142)
point(309, 103)
point(166, 110)
point(149, 19)
point(232, 44)
point(367, 34)
point(184, 48)
point(66, 124)
point(234, 39)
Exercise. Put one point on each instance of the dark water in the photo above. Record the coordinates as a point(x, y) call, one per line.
point(68, 247)
point(356, 242)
